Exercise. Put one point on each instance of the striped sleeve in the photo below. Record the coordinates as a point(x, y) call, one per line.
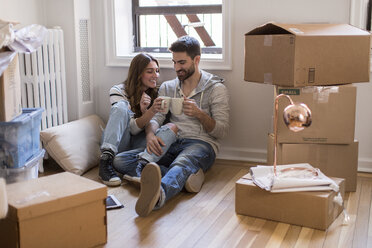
point(117, 93)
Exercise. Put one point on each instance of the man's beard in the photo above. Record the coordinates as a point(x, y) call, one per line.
point(187, 73)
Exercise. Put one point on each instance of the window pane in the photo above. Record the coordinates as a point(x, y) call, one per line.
point(147, 3)
point(155, 31)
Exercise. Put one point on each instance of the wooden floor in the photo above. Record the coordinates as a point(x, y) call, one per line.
point(208, 219)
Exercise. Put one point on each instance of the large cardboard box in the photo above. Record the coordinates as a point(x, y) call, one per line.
point(310, 209)
point(307, 54)
point(10, 91)
point(333, 160)
point(62, 210)
point(333, 114)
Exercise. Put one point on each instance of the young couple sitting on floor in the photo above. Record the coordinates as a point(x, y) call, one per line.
point(164, 158)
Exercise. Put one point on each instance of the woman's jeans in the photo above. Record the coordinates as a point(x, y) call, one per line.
point(183, 158)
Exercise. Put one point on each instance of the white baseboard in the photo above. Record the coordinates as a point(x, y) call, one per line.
point(365, 165)
point(242, 154)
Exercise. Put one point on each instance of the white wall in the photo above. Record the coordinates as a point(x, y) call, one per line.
point(23, 11)
point(251, 104)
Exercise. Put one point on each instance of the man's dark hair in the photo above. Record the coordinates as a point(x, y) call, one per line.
point(187, 44)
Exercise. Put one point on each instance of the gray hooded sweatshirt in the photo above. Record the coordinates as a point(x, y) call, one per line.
point(212, 97)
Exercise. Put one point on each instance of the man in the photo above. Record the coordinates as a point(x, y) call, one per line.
point(205, 119)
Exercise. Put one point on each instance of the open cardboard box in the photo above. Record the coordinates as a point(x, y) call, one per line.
point(307, 54)
point(61, 210)
point(310, 209)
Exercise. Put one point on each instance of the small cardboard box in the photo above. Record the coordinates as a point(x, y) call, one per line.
point(332, 110)
point(310, 209)
point(333, 160)
point(307, 54)
point(10, 91)
point(61, 210)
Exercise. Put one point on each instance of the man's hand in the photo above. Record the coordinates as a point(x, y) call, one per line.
point(154, 144)
point(190, 108)
point(145, 102)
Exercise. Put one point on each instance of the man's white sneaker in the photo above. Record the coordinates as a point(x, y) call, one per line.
point(195, 181)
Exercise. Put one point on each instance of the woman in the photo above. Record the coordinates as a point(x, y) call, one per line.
point(134, 103)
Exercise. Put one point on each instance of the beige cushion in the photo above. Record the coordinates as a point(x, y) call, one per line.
point(75, 146)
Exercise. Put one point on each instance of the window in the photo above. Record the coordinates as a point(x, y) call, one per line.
point(158, 23)
point(152, 25)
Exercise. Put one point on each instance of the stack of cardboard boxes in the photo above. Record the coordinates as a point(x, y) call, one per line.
point(315, 64)
point(61, 210)
point(20, 152)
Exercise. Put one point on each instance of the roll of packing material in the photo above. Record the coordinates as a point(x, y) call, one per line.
point(3, 199)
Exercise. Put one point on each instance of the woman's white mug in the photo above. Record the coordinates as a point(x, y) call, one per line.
point(165, 104)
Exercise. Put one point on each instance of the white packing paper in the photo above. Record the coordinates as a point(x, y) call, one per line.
point(304, 178)
point(24, 40)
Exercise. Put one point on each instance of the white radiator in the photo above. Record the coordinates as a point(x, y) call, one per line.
point(43, 79)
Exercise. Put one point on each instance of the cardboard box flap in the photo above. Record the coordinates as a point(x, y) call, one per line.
point(308, 30)
point(318, 29)
point(268, 28)
point(53, 193)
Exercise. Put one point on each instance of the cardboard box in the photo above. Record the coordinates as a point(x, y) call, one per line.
point(310, 209)
point(333, 114)
point(10, 91)
point(61, 210)
point(333, 160)
point(307, 54)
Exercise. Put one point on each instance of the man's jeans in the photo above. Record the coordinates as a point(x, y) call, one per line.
point(117, 136)
point(183, 158)
point(126, 162)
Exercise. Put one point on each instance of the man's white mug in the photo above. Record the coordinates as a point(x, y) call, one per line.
point(176, 106)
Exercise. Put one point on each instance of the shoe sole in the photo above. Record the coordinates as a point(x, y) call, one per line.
point(112, 183)
point(195, 181)
point(150, 189)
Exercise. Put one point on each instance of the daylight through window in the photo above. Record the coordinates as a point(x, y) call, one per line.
point(157, 23)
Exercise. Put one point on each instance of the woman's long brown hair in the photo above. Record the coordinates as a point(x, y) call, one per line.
point(133, 83)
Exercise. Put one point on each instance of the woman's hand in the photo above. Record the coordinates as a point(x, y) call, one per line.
point(145, 102)
point(154, 144)
point(156, 106)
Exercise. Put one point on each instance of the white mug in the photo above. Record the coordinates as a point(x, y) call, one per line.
point(165, 103)
point(176, 106)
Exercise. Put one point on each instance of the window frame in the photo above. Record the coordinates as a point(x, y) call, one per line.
point(358, 17)
point(209, 61)
point(358, 13)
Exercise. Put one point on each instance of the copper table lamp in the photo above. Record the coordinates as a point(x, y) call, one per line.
point(297, 116)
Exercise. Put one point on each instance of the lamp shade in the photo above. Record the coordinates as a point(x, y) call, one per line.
point(297, 116)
